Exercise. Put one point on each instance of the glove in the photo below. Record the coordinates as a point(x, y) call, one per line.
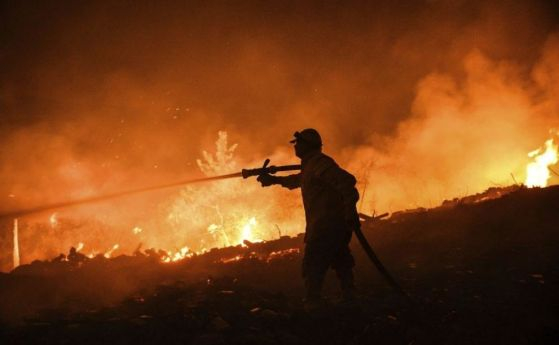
point(267, 180)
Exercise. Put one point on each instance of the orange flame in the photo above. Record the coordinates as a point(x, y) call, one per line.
point(179, 255)
point(537, 172)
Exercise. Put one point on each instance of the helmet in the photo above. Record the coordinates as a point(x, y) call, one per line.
point(309, 136)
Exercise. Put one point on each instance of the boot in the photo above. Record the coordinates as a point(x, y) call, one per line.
point(345, 276)
point(313, 299)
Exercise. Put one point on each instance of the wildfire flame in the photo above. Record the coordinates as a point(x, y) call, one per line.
point(247, 231)
point(230, 211)
point(181, 254)
point(537, 172)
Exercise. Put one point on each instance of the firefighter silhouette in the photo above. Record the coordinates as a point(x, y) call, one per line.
point(329, 199)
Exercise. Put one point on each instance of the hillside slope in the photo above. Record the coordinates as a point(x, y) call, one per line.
point(483, 273)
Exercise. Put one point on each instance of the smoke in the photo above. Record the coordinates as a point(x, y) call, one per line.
point(423, 100)
point(462, 136)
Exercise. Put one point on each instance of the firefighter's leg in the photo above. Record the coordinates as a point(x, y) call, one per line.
point(313, 286)
point(315, 266)
point(343, 265)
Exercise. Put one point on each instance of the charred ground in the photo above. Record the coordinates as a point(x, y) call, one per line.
point(477, 271)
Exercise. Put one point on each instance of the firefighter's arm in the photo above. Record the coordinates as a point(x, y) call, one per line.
point(290, 181)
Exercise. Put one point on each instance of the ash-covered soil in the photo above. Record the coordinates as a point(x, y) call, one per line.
point(476, 273)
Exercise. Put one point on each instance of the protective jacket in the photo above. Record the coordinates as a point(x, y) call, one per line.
point(329, 198)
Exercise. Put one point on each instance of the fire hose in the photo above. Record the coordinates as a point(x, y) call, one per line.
point(244, 173)
point(373, 256)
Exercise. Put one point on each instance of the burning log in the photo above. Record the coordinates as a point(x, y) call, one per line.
point(370, 220)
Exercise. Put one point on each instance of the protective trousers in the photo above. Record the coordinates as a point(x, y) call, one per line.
point(318, 258)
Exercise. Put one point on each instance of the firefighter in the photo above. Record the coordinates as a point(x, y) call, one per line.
point(329, 199)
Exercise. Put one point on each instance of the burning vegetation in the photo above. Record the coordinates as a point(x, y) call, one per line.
point(225, 213)
point(198, 218)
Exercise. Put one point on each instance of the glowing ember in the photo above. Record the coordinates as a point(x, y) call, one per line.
point(110, 251)
point(53, 220)
point(79, 247)
point(136, 230)
point(233, 259)
point(537, 172)
point(283, 253)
